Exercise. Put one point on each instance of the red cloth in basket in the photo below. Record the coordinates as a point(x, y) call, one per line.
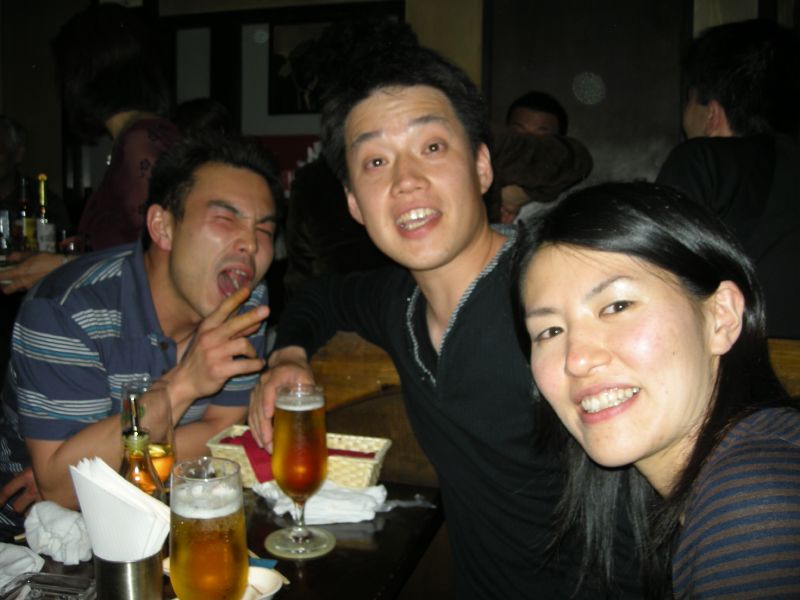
point(261, 460)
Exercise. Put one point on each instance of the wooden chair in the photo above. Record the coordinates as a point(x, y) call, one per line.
point(785, 356)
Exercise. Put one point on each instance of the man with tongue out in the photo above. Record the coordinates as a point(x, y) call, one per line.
point(406, 134)
point(186, 305)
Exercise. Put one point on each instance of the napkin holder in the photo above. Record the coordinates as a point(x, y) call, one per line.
point(350, 471)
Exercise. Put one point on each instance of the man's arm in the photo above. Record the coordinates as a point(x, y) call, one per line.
point(25, 484)
point(50, 459)
point(190, 439)
point(323, 306)
point(220, 351)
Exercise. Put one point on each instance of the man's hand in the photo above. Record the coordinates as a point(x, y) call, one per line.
point(287, 366)
point(29, 271)
point(26, 482)
point(219, 351)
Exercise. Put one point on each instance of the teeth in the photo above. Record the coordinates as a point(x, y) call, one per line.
point(237, 278)
point(415, 218)
point(608, 399)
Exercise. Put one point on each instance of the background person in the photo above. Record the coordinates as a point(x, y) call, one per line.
point(742, 160)
point(648, 340)
point(109, 70)
point(537, 113)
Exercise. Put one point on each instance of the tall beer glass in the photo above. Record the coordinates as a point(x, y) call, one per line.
point(300, 464)
point(207, 542)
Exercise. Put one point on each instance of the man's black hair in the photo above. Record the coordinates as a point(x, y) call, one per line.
point(752, 68)
point(400, 66)
point(173, 174)
point(541, 102)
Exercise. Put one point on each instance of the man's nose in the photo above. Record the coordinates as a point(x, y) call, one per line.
point(408, 176)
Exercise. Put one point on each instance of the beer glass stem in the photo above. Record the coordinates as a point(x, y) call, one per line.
point(299, 531)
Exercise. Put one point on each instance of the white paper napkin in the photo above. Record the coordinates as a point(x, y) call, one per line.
point(58, 532)
point(332, 503)
point(16, 560)
point(124, 523)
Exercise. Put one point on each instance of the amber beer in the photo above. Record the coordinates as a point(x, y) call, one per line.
point(163, 459)
point(208, 545)
point(300, 454)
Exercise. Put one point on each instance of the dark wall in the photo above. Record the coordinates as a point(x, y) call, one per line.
point(627, 109)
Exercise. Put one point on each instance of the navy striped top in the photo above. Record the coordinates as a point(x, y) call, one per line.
point(83, 332)
point(741, 535)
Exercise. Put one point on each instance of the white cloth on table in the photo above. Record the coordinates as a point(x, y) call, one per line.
point(58, 532)
point(332, 503)
point(16, 560)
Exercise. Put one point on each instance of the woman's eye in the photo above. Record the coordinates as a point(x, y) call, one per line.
point(548, 333)
point(616, 307)
point(375, 162)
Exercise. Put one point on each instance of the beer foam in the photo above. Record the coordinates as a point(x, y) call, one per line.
point(295, 403)
point(204, 500)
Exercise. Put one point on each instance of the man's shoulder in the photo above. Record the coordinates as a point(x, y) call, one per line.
point(730, 148)
point(84, 276)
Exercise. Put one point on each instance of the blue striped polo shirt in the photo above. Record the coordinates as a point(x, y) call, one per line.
point(741, 534)
point(84, 331)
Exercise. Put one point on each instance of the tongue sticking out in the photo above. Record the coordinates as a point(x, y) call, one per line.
point(230, 281)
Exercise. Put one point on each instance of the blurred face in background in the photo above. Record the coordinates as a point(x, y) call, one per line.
point(533, 122)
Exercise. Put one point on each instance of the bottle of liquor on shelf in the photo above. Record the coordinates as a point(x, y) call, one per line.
point(24, 229)
point(5, 237)
point(137, 467)
point(45, 230)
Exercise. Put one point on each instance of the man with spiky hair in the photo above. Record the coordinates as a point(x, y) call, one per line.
point(406, 133)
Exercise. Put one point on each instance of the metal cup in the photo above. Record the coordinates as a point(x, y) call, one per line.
point(129, 580)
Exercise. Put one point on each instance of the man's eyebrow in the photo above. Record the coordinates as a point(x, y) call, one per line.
point(417, 122)
point(545, 310)
point(225, 205)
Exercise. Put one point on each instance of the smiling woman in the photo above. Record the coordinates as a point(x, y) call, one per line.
point(648, 341)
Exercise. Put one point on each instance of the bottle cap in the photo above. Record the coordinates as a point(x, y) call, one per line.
point(137, 440)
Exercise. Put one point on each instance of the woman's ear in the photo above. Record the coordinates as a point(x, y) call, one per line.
point(160, 226)
point(725, 313)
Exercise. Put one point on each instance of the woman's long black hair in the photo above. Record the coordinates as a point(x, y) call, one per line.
point(659, 225)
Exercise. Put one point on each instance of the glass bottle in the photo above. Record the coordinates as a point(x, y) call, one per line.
point(5, 237)
point(45, 231)
point(137, 466)
point(24, 223)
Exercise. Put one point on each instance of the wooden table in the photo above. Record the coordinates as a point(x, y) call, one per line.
point(372, 560)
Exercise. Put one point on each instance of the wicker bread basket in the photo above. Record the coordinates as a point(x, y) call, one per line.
point(349, 471)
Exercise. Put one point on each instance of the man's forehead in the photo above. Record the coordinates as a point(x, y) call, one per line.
point(416, 104)
point(220, 181)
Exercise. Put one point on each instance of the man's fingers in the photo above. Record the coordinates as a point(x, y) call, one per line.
point(222, 371)
point(226, 308)
point(23, 502)
point(246, 323)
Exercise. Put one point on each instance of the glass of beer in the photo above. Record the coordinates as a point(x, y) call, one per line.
point(207, 542)
point(299, 464)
